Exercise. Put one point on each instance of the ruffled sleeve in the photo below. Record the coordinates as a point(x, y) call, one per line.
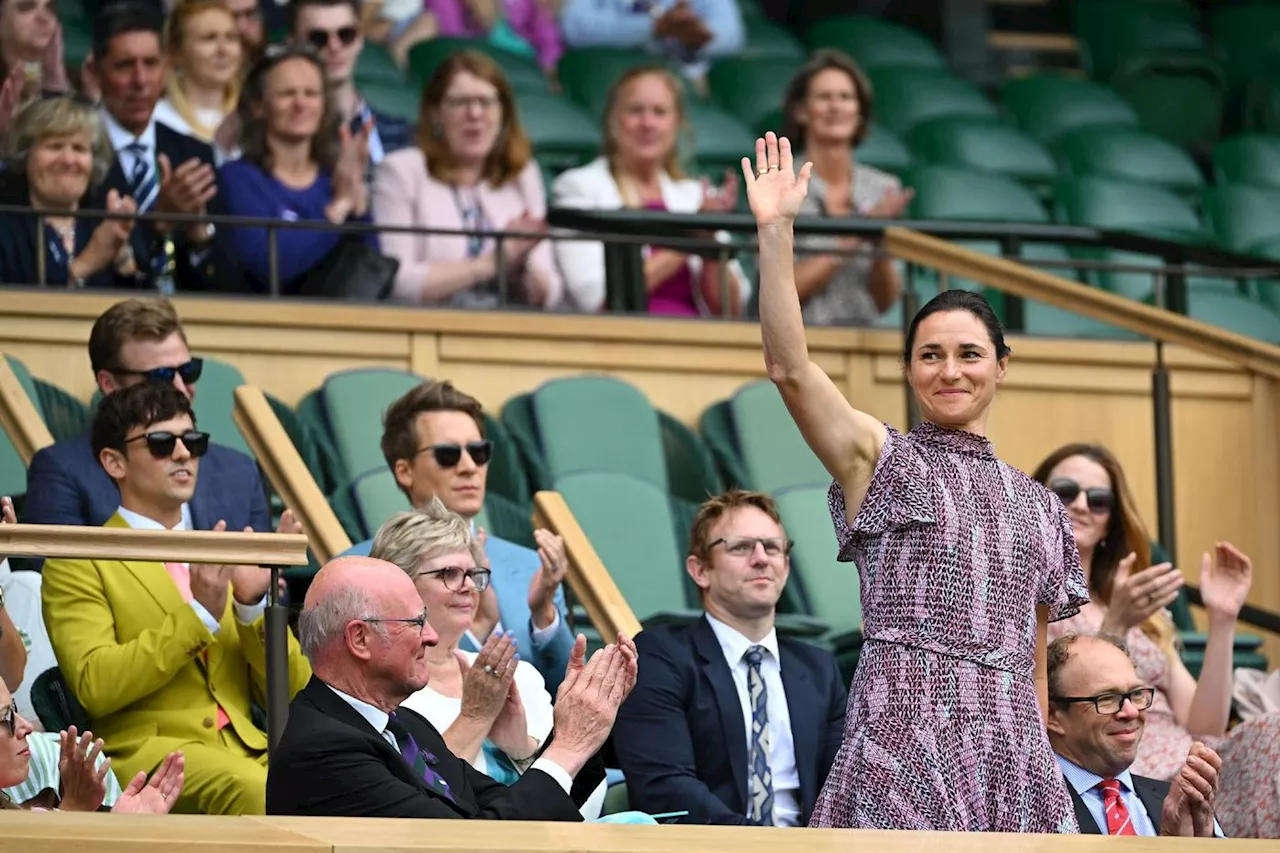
point(897, 497)
point(1062, 587)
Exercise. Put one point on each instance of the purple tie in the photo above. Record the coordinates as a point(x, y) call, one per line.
point(420, 761)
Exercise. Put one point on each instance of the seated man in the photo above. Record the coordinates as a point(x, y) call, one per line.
point(728, 721)
point(433, 441)
point(351, 750)
point(1097, 713)
point(132, 342)
point(688, 31)
point(166, 656)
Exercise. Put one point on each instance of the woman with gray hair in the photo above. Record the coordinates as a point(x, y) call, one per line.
point(492, 708)
point(57, 155)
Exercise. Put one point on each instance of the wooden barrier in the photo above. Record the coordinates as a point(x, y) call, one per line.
point(19, 417)
point(179, 546)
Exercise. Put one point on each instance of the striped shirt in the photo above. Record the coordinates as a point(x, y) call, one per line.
point(44, 771)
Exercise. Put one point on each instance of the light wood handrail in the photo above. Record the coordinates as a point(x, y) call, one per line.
point(179, 546)
point(1021, 280)
point(19, 417)
point(587, 575)
point(288, 473)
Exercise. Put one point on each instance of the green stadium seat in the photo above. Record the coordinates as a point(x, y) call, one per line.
point(752, 89)
point(876, 44)
point(1129, 154)
point(884, 149)
point(563, 136)
point(13, 471)
point(1111, 32)
point(718, 140)
point(377, 498)
point(517, 418)
point(507, 519)
point(398, 99)
point(691, 471)
point(984, 145)
point(375, 65)
point(906, 98)
point(1260, 103)
point(77, 41)
point(1181, 96)
point(716, 426)
point(587, 74)
point(1234, 312)
point(1243, 219)
point(216, 402)
point(1249, 158)
point(1047, 106)
point(64, 415)
point(1249, 35)
point(955, 193)
point(352, 403)
point(767, 40)
point(774, 454)
point(522, 72)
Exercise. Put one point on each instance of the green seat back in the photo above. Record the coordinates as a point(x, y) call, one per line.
point(986, 146)
point(506, 475)
point(628, 522)
point(773, 451)
point(951, 192)
point(587, 74)
point(354, 402)
point(522, 72)
point(767, 40)
point(77, 41)
point(1234, 312)
point(507, 519)
point(377, 497)
point(1129, 154)
point(517, 419)
point(752, 89)
point(1250, 158)
point(395, 98)
point(561, 132)
point(876, 44)
point(375, 65)
point(909, 97)
point(884, 149)
point(691, 472)
point(215, 403)
point(65, 415)
point(1243, 219)
point(13, 471)
point(716, 427)
point(1249, 35)
point(598, 423)
point(1182, 97)
point(1111, 31)
point(1047, 106)
point(1123, 206)
point(830, 587)
point(718, 140)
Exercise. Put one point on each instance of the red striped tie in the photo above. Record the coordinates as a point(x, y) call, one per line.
point(1119, 822)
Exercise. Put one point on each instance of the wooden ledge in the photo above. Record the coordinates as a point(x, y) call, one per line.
point(178, 546)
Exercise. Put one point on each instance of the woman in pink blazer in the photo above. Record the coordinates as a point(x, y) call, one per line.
point(473, 170)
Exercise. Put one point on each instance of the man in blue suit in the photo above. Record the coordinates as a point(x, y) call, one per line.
point(433, 441)
point(137, 341)
point(728, 721)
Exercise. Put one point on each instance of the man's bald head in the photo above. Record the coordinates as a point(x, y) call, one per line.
point(347, 589)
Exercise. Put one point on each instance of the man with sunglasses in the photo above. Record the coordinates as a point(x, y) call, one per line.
point(166, 656)
point(1097, 713)
point(138, 341)
point(729, 721)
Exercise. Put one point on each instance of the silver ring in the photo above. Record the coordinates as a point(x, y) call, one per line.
point(494, 672)
point(488, 668)
point(773, 166)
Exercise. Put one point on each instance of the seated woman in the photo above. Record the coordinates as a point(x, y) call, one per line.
point(640, 169)
point(296, 164)
point(205, 58)
point(1130, 598)
point(31, 57)
point(827, 112)
point(525, 27)
point(472, 169)
point(57, 157)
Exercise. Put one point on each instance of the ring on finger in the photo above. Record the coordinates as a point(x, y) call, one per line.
point(774, 167)
point(496, 673)
point(488, 668)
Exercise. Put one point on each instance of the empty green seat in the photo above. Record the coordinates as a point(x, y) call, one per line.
point(767, 40)
point(377, 497)
point(1249, 158)
point(984, 145)
point(752, 89)
point(1129, 154)
point(951, 192)
point(716, 427)
point(1234, 312)
point(1112, 32)
point(875, 44)
point(691, 472)
point(1243, 219)
point(13, 471)
point(64, 414)
point(774, 453)
point(908, 97)
point(396, 98)
point(718, 140)
point(587, 74)
point(1181, 96)
point(216, 403)
point(522, 72)
point(375, 65)
point(1249, 35)
point(353, 402)
point(1048, 106)
point(563, 136)
point(884, 149)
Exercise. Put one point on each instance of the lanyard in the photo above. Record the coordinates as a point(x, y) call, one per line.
point(473, 219)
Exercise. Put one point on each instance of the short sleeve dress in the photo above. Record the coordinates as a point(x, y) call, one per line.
point(943, 731)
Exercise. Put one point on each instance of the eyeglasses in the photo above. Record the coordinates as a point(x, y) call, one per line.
point(190, 372)
point(319, 39)
point(1100, 499)
point(745, 546)
point(449, 455)
point(162, 442)
point(418, 621)
point(454, 578)
point(1111, 703)
point(10, 719)
point(461, 103)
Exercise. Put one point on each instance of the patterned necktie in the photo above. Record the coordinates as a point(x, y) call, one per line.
point(143, 186)
point(1119, 821)
point(760, 782)
point(419, 760)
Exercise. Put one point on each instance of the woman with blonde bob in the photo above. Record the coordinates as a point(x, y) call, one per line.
point(206, 64)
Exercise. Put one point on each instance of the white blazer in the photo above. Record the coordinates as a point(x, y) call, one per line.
point(592, 187)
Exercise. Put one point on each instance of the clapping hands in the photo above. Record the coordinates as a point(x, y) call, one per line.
point(157, 796)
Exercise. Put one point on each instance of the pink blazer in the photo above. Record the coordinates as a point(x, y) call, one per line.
point(404, 193)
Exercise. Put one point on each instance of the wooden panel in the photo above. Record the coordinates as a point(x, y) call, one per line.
point(92, 832)
point(179, 546)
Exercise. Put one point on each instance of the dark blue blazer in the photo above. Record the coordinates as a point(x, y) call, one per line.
point(679, 737)
point(66, 485)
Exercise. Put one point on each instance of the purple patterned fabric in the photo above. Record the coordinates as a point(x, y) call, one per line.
point(943, 729)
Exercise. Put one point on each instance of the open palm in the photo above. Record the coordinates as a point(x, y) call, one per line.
point(157, 796)
point(1225, 579)
point(774, 191)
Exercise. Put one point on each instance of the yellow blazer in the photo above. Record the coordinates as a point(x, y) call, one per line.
point(146, 669)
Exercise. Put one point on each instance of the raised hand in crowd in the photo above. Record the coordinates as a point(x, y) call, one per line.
point(487, 681)
point(159, 794)
point(350, 188)
point(1225, 579)
point(775, 194)
point(681, 23)
point(546, 580)
point(84, 779)
point(1135, 598)
point(53, 66)
point(721, 199)
point(588, 700)
point(11, 95)
point(487, 614)
point(90, 87)
point(186, 189)
point(7, 515)
point(109, 243)
point(892, 204)
point(1188, 807)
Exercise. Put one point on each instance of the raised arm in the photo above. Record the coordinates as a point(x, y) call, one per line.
point(845, 440)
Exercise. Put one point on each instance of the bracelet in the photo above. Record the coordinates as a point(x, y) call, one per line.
point(530, 757)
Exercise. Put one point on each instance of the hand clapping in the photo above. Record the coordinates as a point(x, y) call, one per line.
point(84, 782)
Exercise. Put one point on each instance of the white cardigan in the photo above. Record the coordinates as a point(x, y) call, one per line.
point(581, 262)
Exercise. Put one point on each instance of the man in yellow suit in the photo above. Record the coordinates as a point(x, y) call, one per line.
point(166, 656)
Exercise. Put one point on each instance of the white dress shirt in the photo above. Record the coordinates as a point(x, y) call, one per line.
point(782, 749)
point(246, 614)
point(121, 139)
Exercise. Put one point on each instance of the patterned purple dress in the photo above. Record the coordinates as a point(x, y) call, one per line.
point(943, 730)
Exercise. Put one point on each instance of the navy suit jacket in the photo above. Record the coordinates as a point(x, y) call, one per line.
point(1150, 791)
point(680, 739)
point(67, 485)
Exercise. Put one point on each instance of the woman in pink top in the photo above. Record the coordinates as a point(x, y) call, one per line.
point(526, 27)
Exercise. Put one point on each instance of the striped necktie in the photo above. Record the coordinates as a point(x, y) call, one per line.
point(143, 184)
point(760, 782)
point(420, 761)
point(1119, 821)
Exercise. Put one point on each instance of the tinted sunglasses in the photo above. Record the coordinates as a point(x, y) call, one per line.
point(449, 455)
point(162, 443)
point(10, 719)
point(1100, 500)
point(190, 372)
point(319, 39)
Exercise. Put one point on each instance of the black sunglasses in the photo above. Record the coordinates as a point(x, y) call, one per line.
point(190, 372)
point(1100, 499)
point(10, 720)
point(449, 455)
point(319, 39)
point(162, 442)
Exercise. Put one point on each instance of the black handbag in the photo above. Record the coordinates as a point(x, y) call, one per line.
point(353, 270)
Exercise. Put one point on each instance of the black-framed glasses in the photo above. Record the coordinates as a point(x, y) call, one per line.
point(1099, 498)
point(319, 39)
point(454, 578)
point(1111, 703)
point(10, 719)
point(418, 621)
point(449, 455)
point(745, 546)
point(162, 442)
point(190, 372)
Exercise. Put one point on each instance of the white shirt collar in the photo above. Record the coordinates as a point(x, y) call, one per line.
point(735, 645)
point(141, 522)
point(1086, 780)
point(120, 137)
point(376, 717)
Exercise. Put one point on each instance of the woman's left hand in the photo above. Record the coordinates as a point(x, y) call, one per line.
point(510, 730)
point(892, 204)
point(721, 199)
point(84, 781)
point(1225, 579)
point(349, 187)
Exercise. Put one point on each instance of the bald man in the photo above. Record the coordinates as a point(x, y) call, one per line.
point(350, 750)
